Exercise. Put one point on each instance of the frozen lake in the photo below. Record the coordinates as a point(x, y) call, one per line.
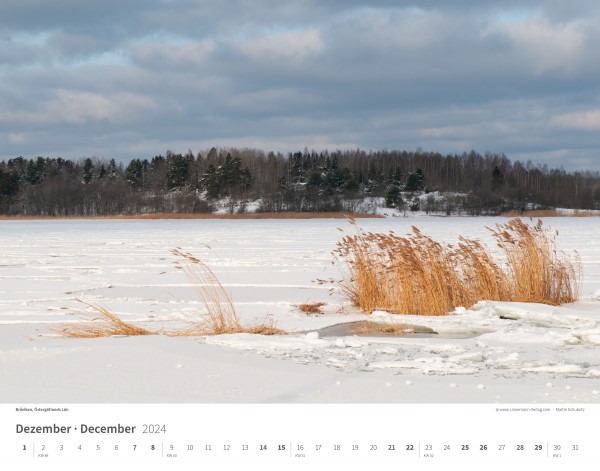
point(270, 266)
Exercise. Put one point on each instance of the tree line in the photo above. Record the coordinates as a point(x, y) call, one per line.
point(341, 180)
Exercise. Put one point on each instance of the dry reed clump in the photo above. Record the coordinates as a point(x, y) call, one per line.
point(539, 272)
point(221, 314)
point(417, 275)
point(412, 274)
point(221, 317)
point(105, 324)
point(311, 308)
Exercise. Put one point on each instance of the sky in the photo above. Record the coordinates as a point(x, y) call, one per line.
point(134, 78)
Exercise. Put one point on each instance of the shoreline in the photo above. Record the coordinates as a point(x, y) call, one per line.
point(287, 215)
point(299, 215)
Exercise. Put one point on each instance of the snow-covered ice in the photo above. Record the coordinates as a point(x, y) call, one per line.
point(492, 352)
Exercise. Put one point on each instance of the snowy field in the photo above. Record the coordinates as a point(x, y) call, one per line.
point(492, 353)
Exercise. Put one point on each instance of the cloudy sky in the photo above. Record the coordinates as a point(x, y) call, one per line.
point(134, 78)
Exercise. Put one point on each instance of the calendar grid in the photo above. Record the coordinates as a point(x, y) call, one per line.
point(304, 435)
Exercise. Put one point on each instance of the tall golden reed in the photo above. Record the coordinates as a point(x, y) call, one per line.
point(221, 316)
point(415, 274)
point(539, 272)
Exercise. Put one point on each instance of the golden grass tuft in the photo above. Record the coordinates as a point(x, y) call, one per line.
point(221, 317)
point(413, 274)
point(539, 272)
point(311, 308)
point(221, 314)
point(106, 324)
point(417, 275)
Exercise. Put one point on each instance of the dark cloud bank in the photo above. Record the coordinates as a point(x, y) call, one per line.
point(132, 79)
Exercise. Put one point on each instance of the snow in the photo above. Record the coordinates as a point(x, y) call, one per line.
point(493, 352)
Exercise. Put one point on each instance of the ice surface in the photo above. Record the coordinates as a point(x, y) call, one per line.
point(494, 351)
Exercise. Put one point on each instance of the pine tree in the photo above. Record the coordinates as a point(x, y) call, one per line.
point(414, 181)
point(134, 173)
point(88, 168)
point(177, 171)
point(112, 169)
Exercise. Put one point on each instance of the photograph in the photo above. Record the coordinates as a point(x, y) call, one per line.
point(388, 309)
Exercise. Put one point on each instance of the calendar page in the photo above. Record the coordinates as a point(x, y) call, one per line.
point(299, 234)
point(187, 437)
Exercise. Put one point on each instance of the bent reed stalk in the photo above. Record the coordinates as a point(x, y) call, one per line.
point(220, 318)
point(105, 324)
point(415, 274)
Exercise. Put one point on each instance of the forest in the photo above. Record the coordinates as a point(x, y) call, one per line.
point(233, 180)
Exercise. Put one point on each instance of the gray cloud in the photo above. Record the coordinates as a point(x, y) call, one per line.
point(131, 79)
